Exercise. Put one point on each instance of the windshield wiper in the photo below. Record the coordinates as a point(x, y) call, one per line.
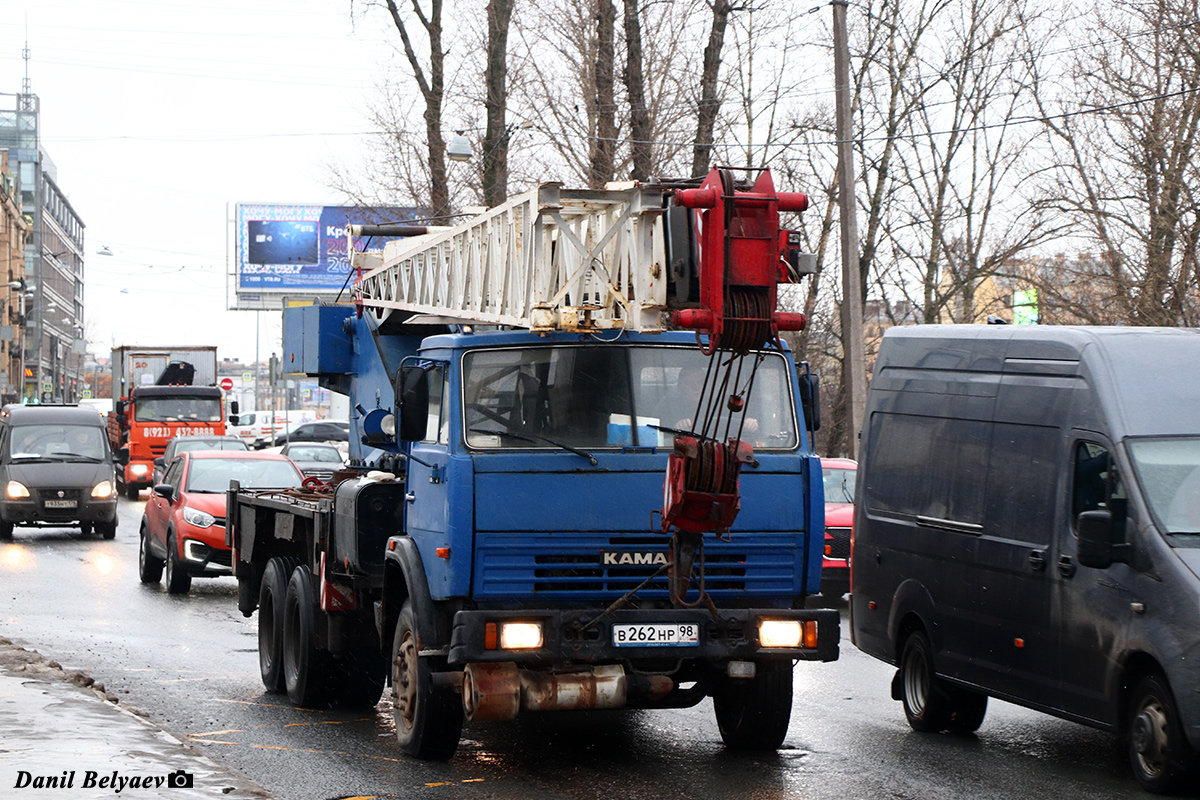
point(81, 456)
point(533, 437)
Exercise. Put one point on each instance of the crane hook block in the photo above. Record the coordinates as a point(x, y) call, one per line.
point(743, 257)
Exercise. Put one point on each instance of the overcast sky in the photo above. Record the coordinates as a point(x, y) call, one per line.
point(160, 114)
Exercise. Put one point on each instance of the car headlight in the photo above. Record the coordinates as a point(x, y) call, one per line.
point(16, 490)
point(102, 490)
point(138, 469)
point(198, 518)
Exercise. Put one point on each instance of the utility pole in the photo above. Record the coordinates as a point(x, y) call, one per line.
point(854, 373)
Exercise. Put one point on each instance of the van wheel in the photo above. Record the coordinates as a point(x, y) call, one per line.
point(969, 710)
point(1161, 758)
point(178, 579)
point(428, 721)
point(85, 528)
point(754, 714)
point(150, 568)
point(107, 530)
point(305, 667)
point(271, 603)
point(6, 529)
point(927, 705)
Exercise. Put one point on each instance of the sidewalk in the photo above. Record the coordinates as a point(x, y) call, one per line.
point(63, 736)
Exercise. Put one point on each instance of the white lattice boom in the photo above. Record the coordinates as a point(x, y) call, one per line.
point(550, 259)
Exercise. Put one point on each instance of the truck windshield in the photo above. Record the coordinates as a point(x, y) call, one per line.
point(587, 396)
point(1168, 471)
point(178, 409)
point(58, 442)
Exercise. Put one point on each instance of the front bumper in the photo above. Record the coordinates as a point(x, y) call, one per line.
point(204, 553)
point(35, 512)
point(571, 636)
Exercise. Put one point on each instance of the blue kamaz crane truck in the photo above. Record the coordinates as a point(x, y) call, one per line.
point(555, 501)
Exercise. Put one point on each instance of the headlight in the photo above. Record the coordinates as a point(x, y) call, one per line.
point(138, 469)
point(16, 491)
point(779, 632)
point(520, 635)
point(198, 518)
point(102, 489)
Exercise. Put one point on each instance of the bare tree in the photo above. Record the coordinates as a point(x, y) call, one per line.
point(709, 103)
point(496, 137)
point(1124, 158)
point(640, 130)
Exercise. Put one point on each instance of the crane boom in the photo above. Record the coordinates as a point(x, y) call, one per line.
point(550, 259)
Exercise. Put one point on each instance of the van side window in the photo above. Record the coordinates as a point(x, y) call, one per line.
point(1097, 485)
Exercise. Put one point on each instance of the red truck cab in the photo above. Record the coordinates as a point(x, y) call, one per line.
point(141, 424)
point(839, 476)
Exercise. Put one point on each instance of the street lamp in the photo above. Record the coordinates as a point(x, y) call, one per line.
point(459, 148)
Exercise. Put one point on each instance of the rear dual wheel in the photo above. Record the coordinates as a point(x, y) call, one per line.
point(305, 667)
point(930, 704)
point(271, 603)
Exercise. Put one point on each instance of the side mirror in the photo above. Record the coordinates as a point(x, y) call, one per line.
point(123, 456)
point(412, 400)
point(164, 490)
point(810, 401)
point(119, 406)
point(160, 462)
point(1096, 546)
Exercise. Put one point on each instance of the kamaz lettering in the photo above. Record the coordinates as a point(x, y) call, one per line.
point(635, 559)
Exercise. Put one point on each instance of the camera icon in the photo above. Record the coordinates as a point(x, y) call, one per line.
point(180, 780)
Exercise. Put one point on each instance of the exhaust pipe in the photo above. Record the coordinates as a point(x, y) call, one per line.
point(500, 691)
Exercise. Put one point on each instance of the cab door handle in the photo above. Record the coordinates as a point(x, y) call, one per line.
point(1066, 567)
point(1037, 560)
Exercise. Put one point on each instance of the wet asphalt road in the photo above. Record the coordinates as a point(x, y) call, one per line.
point(191, 664)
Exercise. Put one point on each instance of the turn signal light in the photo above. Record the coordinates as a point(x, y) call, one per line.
point(779, 632)
point(520, 635)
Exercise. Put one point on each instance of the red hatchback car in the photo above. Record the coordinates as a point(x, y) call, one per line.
point(839, 476)
point(183, 527)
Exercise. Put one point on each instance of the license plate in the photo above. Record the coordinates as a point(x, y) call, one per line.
point(656, 634)
point(60, 504)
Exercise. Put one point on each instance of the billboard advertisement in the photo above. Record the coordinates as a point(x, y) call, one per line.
point(282, 250)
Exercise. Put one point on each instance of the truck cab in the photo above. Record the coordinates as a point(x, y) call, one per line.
point(150, 417)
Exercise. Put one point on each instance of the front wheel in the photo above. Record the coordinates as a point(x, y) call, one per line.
point(150, 568)
point(305, 667)
point(927, 706)
point(133, 492)
point(107, 530)
point(179, 581)
point(1161, 758)
point(428, 721)
point(754, 714)
point(6, 530)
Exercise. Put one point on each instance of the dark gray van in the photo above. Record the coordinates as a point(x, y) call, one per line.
point(1028, 528)
point(56, 470)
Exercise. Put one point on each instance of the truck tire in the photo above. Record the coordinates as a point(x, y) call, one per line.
point(272, 598)
point(305, 667)
point(358, 679)
point(179, 581)
point(927, 705)
point(428, 721)
point(754, 714)
point(1162, 760)
point(133, 492)
point(150, 568)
